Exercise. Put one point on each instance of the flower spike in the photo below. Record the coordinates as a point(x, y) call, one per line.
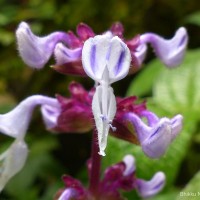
point(36, 51)
point(171, 52)
point(106, 59)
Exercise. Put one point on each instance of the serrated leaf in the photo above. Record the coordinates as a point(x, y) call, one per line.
point(178, 90)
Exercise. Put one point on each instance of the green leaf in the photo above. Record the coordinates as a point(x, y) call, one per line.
point(171, 194)
point(193, 18)
point(192, 190)
point(178, 90)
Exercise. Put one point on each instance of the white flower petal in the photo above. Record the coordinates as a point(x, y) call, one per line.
point(12, 161)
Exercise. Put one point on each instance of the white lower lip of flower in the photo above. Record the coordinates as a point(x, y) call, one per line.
point(12, 161)
point(104, 109)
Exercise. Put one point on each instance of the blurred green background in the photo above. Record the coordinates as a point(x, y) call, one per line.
point(52, 155)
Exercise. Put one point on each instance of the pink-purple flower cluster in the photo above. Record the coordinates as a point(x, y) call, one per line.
point(117, 178)
point(67, 47)
point(105, 58)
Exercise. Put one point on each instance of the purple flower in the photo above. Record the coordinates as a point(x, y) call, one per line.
point(122, 176)
point(116, 179)
point(11, 122)
point(171, 52)
point(74, 114)
point(149, 188)
point(67, 47)
point(155, 137)
point(36, 51)
point(15, 124)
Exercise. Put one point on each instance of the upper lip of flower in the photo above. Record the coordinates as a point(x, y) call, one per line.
point(36, 51)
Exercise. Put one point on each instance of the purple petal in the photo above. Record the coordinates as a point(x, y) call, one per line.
point(50, 116)
point(150, 188)
point(155, 138)
point(15, 123)
point(151, 117)
point(64, 55)
point(142, 130)
point(129, 161)
point(118, 60)
point(36, 51)
point(68, 194)
point(171, 52)
point(75, 184)
point(140, 54)
point(138, 50)
point(160, 137)
point(177, 124)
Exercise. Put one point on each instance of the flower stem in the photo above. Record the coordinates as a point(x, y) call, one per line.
point(95, 165)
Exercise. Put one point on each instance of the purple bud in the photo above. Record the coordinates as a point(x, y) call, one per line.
point(84, 31)
point(171, 52)
point(64, 55)
point(129, 161)
point(117, 29)
point(150, 188)
point(36, 51)
point(68, 194)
